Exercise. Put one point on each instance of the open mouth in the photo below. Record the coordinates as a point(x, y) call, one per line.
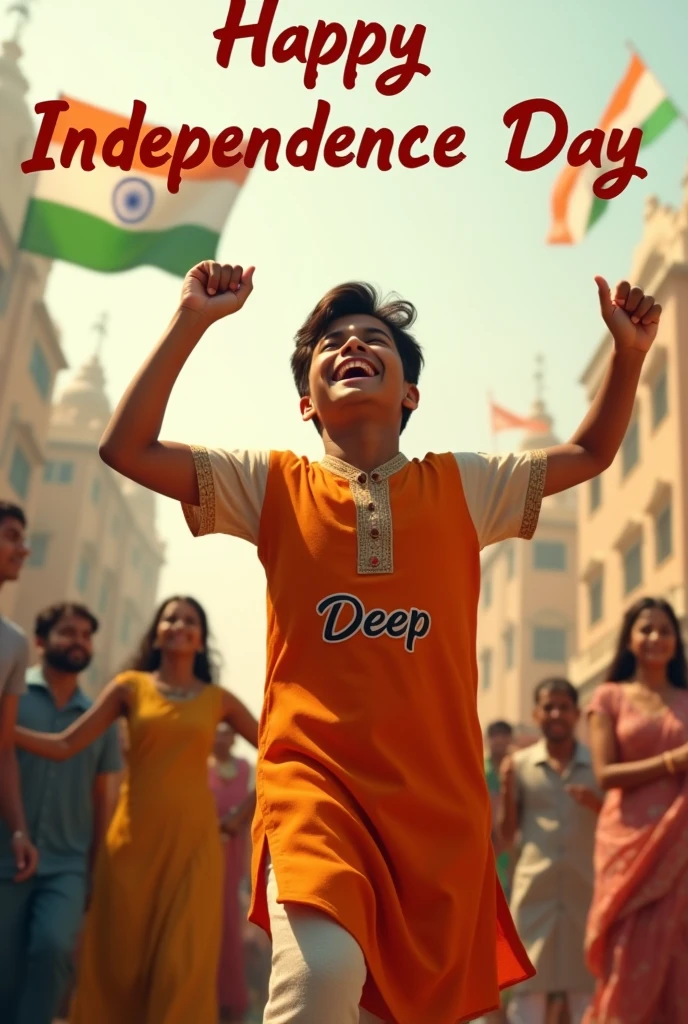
point(354, 369)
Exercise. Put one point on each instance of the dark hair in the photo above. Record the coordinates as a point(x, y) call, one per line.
point(10, 511)
point(499, 728)
point(358, 299)
point(623, 664)
point(555, 684)
point(49, 617)
point(148, 658)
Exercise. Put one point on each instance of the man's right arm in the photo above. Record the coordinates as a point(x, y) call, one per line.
point(507, 817)
point(131, 444)
point(11, 807)
point(11, 804)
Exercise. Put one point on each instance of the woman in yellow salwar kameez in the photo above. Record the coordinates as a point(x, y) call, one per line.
point(153, 932)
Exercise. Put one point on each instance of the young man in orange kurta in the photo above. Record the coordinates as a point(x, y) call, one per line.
point(373, 867)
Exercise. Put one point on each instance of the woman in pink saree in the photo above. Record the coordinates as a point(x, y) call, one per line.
point(637, 934)
point(229, 781)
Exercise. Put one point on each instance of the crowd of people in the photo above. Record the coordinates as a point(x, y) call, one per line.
point(598, 836)
point(376, 856)
point(147, 831)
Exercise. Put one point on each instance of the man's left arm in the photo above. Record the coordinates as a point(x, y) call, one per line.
point(633, 320)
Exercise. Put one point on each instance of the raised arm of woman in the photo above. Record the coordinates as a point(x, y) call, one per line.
point(112, 703)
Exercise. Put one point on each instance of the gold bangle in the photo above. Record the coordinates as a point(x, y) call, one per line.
point(669, 763)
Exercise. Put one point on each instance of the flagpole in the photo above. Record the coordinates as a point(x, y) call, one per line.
point(636, 52)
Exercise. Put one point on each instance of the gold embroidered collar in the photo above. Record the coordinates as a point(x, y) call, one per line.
point(340, 468)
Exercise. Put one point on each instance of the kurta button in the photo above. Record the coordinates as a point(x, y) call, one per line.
point(362, 478)
point(371, 507)
point(375, 477)
point(374, 560)
point(375, 533)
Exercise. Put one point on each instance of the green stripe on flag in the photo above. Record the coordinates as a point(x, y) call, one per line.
point(660, 118)
point(63, 233)
point(596, 211)
point(658, 121)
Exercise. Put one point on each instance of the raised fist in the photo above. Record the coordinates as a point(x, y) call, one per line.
point(215, 290)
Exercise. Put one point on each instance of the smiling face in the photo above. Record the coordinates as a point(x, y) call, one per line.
point(68, 646)
point(557, 715)
point(653, 639)
point(356, 368)
point(179, 630)
point(13, 548)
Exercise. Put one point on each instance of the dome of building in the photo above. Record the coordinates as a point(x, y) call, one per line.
point(83, 404)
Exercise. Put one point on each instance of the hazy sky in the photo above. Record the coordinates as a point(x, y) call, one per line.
point(465, 245)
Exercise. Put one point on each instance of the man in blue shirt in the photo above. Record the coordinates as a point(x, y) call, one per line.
point(68, 806)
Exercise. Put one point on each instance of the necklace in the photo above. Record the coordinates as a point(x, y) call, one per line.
point(175, 692)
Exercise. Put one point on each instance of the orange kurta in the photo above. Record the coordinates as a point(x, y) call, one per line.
point(371, 793)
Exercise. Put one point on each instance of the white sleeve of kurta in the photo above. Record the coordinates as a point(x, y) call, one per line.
point(503, 492)
point(231, 486)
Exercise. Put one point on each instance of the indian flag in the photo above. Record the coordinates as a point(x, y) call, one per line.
point(638, 102)
point(108, 219)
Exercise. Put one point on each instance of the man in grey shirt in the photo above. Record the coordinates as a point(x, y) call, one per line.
point(551, 797)
point(14, 656)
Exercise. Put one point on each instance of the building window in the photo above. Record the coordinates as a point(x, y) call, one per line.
point(510, 561)
point(660, 398)
point(58, 472)
point(487, 591)
point(20, 473)
point(486, 669)
point(549, 555)
point(40, 371)
point(83, 574)
point(633, 567)
point(663, 534)
point(105, 591)
point(596, 599)
point(630, 449)
point(509, 645)
point(549, 644)
point(595, 493)
point(95, 491)
point(39, 549)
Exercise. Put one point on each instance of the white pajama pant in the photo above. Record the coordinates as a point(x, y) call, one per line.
point(531, 1007)
point(318, 968)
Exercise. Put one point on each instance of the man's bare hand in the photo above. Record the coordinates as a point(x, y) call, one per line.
point(25, 857)
point(631, 316)
point(216, 290)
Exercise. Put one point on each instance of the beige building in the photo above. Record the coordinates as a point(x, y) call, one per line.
point(631, 521)
point(30, 352)
point(92, 533)
point(93, 536)
point(527, 615)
